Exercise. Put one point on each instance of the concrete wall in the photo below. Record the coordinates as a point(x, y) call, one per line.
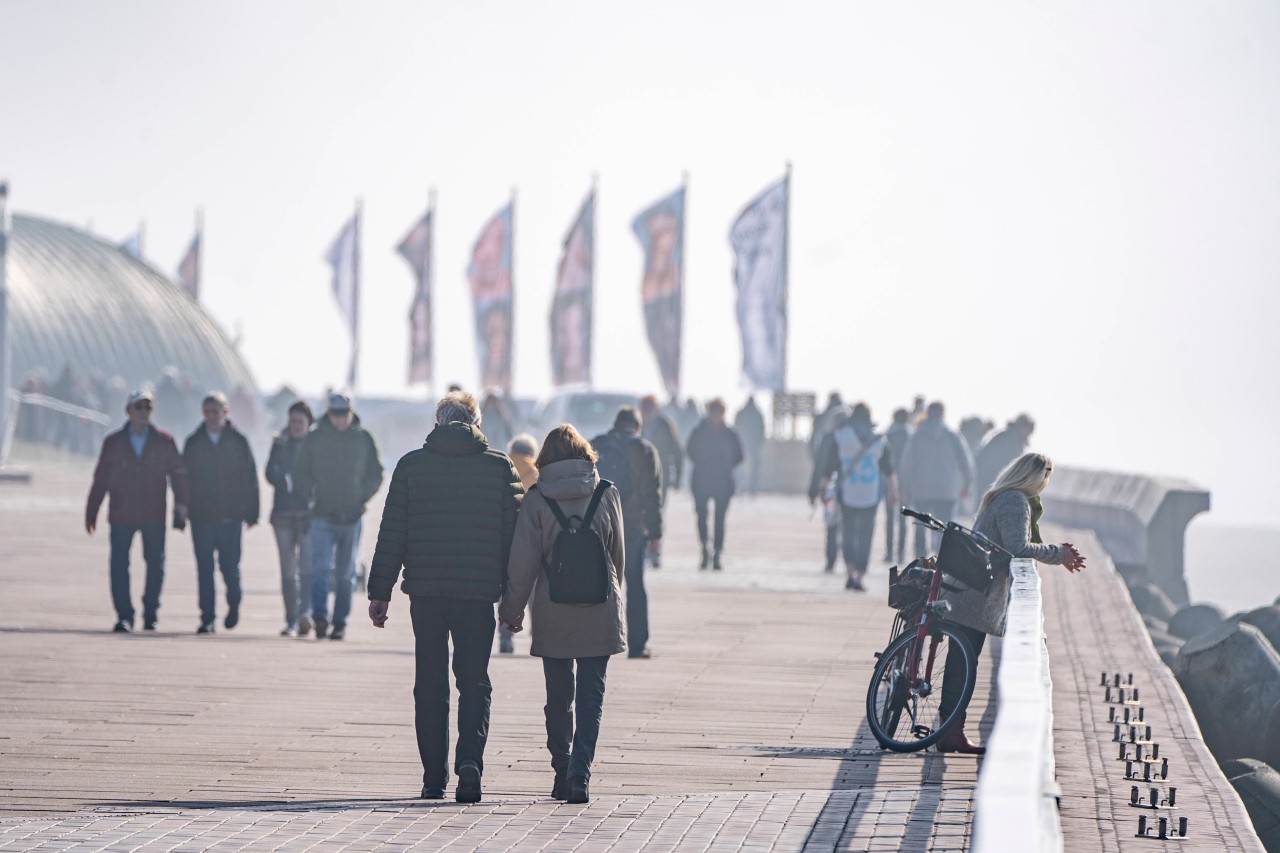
point(1142, 521)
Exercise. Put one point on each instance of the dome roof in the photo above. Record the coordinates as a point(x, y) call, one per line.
point(75, 298)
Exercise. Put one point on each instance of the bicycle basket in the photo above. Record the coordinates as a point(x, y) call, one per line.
point(964, 559)
point(909, 588)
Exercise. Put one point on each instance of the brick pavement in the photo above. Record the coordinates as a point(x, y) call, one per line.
point(744, 732)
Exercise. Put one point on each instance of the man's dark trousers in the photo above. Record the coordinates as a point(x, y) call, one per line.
point(152, 553)
point(637, 598)
point(471, 625)
point(222, 538)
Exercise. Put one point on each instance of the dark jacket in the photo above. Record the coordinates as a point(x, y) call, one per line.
point(288, 502)
point(449, 518)
point(749, 423)
point(642, 490)
point(661, 433)
point(338, 469)
point(714, 452)
point(223, 476)
point(137, 484)
point(996, 452)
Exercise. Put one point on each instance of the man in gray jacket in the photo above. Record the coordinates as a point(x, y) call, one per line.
point(937, 471)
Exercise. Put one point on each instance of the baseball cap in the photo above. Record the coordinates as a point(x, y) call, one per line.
point(139, 395)
point(339, 402)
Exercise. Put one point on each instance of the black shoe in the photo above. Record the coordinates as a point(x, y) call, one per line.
point(205, 628)
point(560, 788)
point(322, 627)
point(715, 562)
point(830, 569)
point(339, 632)
point(643, 654)
point(430, 793)
point(578, 792)
point(122, 627)
point(149, 625)
point(233, 617)
point(706, 558)
point(855, 584)
point(468, 790)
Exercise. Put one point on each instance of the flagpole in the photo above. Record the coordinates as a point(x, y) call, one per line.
point(6, 367)
point(142, 238)
point(199, 252)
point(355, 303)
point(786, 273)
point(684, 218)
point(430, 293)
point(591, 318)
point(511, 321)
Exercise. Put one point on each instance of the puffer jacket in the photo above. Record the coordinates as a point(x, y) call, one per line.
point(448, 520)
point(338, 469)
point(565, 630)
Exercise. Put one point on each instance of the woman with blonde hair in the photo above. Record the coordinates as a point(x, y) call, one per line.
point(1009, 515)
point(568, 636)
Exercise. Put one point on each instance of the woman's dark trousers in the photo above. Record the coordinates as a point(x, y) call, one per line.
point(470, 624)
point(953, 673)
point(573, 747)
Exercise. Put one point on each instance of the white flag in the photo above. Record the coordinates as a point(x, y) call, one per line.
point(759, 239)
point(343, 257)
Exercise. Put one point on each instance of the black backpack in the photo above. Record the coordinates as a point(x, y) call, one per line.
point(578, 570)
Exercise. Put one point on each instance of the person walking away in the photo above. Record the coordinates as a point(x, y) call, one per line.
point(749, 423)
point(659, 430)
point(290, 520)
point(825, 421)
point(574, 640)
point(523, 451)
point(631, 464)
point(224, 496)
point(498, 423)
point(972, 429)
point(859, 462)
point(449, 517)
point(937, 469)
point(1009, 515)
point(714, 450)
point(338, 467)
point(1000, 449)
point(135, 467)
point(895, 521)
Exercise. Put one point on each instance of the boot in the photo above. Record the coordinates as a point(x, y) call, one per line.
point(715, 562)
point(955, 740)
point(706, 557)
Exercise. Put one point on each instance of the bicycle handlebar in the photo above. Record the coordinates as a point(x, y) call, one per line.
point(936, 524)
point(924, 518)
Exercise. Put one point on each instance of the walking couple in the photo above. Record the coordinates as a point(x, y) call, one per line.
point(455, 524)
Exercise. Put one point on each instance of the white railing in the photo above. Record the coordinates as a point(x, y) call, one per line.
point(1017, 799)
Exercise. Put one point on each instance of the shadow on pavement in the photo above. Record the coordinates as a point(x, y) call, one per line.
point(332, 804)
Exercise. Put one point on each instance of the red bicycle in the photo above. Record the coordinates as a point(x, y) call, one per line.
point(903, 707)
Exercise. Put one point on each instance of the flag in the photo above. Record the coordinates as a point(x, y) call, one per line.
point(571, 306)
point(189, 269)
point(660, 230)
point(416, 248)
point(344, 257)
point(759, 239)
point(491, 296)
point(132, 245)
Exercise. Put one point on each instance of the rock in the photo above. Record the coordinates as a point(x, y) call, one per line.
point(1169, 657)
point(1231, 676)
point(1269, 750)
point(1259, 788)
point(1266, 620)
point(1151, 600)
point(1196, 619)
point(1164, 640)
point(1155, 623)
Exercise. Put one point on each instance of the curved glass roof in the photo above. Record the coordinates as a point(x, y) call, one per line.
point(76, 298)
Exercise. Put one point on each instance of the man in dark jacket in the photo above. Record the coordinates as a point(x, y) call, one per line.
point(338, 467)
point(224, 495)
point(135, 467)
point(999, 450)
point(631, 464)
point(749, 424)
point(659, 430)
point(448, 522)
point(715, 450)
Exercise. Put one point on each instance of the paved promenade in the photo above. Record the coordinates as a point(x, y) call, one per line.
point(744, 731)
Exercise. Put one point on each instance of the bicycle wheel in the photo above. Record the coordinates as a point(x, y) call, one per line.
point(902, 701)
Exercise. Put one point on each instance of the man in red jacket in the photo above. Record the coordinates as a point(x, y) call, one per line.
point(135, 466)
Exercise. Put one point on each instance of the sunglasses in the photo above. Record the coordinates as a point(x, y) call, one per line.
point(144, 407)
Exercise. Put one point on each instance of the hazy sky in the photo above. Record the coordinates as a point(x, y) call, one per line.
point(1065, 208)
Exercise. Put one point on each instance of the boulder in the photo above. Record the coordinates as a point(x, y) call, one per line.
point(1258, 785)
point(1266, 620)
point(1195, 619)
point(1231, 676)
point(1164, 640)
point(1151, 600)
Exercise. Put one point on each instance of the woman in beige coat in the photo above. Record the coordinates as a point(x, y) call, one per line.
point(567, 636)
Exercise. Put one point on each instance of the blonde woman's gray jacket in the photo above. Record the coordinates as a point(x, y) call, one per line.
point(1007, 522)
point(565, 630)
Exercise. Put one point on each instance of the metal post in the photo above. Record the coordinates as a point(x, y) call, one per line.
point(6, 366)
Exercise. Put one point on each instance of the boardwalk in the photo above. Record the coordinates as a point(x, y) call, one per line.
point(745, 729)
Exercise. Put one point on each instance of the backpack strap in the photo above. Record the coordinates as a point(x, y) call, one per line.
point(559, 513)
point(604, 486)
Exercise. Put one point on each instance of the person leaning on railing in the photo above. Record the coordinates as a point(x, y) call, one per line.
point(1008, 515)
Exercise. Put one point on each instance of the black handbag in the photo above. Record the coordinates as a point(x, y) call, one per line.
point(964, 559)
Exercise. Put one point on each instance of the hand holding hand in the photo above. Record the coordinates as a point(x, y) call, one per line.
point(378, 613)
point(180, 512)
point(517, 626)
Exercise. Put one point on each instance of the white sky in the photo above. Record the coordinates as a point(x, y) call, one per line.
point(1067, 208)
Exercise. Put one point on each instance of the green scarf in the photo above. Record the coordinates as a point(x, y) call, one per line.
point(1037, 510)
